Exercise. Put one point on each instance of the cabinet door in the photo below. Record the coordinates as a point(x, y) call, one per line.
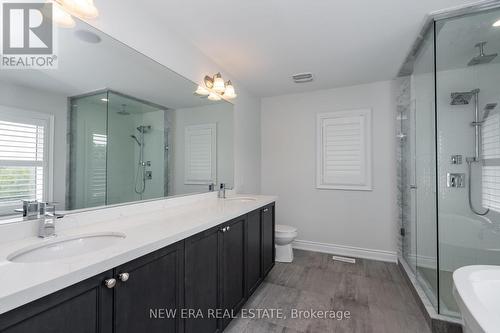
point(268, 249)
point(85, 307)
point(202, 281)
point(233, 267)
point(253, 255)
point(151, 298)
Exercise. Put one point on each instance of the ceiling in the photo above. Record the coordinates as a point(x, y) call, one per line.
point(263, 42)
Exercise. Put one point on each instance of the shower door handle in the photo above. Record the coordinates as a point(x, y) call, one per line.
point(413, 187)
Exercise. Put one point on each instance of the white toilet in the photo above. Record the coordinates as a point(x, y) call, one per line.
point(284, 236)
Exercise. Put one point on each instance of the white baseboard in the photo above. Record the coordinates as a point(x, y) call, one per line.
point(343, 250)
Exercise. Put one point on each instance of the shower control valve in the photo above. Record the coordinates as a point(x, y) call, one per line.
point(456, 159)
point(455, 180)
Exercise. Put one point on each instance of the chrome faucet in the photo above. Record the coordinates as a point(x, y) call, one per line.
point(47, 222)
point(45, 213)
point(222, 191)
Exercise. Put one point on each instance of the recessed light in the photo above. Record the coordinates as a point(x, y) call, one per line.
point(496, 24)
point(104, 99)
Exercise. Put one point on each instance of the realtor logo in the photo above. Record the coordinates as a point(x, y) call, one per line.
point(27, 36)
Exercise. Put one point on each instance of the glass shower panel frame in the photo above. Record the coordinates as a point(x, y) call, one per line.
point(88, 151)
point(425, 182)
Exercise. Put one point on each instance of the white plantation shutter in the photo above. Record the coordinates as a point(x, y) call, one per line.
point(200, 154)
point(23, 158)
point(491, 164)
point(344, 150)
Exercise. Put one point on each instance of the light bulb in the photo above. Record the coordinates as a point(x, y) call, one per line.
point(229, 92)
point(214, 97)
point(60, 16)
point(219, 85)
point(202, 91)
point(496, 24)
point(82, 8)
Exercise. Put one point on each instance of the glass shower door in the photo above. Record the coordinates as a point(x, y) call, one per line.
point(468, 90)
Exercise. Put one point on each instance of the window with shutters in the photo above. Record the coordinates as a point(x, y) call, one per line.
point(24, 158)
point(344, 150)
point(200, 154)
point(491, 162)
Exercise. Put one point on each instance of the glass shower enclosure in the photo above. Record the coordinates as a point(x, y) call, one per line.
point(114, 145)
point(449, 151)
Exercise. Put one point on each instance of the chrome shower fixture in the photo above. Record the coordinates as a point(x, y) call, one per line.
point(462, 98)
point(123, 110)
point(481, 58)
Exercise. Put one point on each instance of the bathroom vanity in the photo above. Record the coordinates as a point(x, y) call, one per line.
point(188, 265)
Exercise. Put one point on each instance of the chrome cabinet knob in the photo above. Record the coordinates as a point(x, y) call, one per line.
point(266, 210)
point(228, 228)
point(123, 276)
point(110, 283)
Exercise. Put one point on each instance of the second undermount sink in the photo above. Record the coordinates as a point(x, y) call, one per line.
point(58, 248)
point(477, 292)
point(241, 199)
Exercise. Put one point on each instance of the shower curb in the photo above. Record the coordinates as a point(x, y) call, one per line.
point(438, 323)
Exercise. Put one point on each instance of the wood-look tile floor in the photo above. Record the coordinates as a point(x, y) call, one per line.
point(375, 293)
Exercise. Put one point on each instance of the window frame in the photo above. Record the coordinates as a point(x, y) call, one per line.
point(47, 120)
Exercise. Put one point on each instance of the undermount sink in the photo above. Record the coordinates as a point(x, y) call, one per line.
point(241, 199)
point(477, 292)
point(64, 247)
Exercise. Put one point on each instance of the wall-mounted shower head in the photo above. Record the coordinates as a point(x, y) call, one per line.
point(481, 58)
point(123, 110)
point(487, 109)
point(462, 98)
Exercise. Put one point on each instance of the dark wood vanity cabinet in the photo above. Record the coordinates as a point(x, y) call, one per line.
point(202, 284)
point(254, 274)
point(149, 293)
point(211, 273)
point(268, 249)
point(233, 293)
point(82, 308)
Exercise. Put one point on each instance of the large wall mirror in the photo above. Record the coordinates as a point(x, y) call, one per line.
point(108, 126)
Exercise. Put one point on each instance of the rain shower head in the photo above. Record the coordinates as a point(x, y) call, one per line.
point(123, 110)
point(481, 58)
point(462, 98)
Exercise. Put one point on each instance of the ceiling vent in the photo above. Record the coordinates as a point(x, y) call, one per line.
point(302, 77)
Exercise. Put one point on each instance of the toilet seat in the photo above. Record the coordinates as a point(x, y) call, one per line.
point(285, 229)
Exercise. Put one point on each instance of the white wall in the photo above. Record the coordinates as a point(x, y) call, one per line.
point(44, 102)
point(155, 38)
point(358, 220)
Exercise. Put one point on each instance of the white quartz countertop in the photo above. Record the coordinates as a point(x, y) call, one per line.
point(148, 227)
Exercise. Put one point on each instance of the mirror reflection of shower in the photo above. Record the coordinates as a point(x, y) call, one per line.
point(142, 173)
point(464, 98)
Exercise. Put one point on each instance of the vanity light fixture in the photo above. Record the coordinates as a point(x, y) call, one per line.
point(229, 91)
point(216, 88)
point(202, 91)
point(81, 8)
point(214, 97)
point(61, 17)
point(64, 10)
point(497, 24)
point(219, 85)
point(104, 100)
